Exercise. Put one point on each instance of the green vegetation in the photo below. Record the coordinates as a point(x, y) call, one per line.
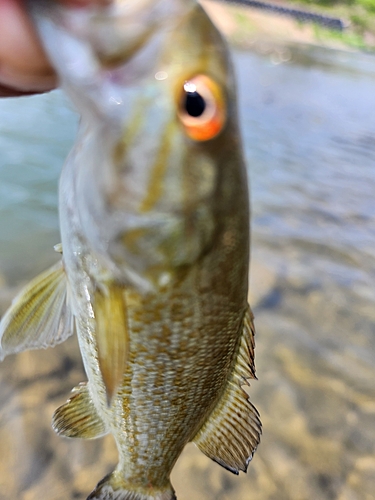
point(360, 15)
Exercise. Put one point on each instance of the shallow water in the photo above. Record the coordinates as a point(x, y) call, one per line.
point(309, 135)
point(36, 134)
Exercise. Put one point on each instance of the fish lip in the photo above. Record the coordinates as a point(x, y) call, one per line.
point(132, 22)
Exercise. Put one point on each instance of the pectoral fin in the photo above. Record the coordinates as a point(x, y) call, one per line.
point(39, 316)
point(232, 432)
point(112, 336)
point(78, 418)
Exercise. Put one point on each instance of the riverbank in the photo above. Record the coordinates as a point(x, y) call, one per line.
point(246, 27)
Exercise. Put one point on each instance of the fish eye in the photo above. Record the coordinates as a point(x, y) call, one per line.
point(201, 108)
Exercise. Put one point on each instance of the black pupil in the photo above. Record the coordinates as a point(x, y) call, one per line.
point(194, 104)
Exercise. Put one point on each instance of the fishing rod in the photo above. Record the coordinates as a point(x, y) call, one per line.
point(333, 23)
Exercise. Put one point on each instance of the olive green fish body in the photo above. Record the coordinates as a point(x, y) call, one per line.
point(182, 344)
point(154, 223)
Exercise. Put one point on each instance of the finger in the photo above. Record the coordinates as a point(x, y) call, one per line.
point(6, 91)
point(24, 66)
point(23, 63)
point(86, 3)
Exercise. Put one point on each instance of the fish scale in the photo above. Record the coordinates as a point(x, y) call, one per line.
point(154, 221)
point(201, 380)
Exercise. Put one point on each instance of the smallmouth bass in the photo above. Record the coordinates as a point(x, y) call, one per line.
point(154, 221)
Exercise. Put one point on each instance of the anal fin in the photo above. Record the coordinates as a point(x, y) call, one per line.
point(78, 418)
point(232, 432)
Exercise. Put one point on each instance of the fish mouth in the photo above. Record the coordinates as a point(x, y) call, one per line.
point(114, 32)
point(124, 28)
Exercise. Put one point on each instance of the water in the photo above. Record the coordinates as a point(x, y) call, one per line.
point(309, 134)
point(310, 144)
point(35, 136)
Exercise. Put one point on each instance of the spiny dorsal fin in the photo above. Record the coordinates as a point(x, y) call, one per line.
point(232, 432)
point(112, 336)
point(39, 316)
point(78, 418)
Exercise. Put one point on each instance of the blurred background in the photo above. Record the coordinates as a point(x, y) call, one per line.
point(307, 109)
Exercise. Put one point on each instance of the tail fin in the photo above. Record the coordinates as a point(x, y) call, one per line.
point(112, 487)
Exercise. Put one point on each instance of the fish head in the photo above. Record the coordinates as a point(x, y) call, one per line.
point(154, 85)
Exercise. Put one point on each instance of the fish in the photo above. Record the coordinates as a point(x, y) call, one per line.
point(154, 223)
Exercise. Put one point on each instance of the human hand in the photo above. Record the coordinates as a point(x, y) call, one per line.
point(24, 66)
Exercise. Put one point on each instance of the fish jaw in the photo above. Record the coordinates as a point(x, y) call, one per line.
point(84, 43)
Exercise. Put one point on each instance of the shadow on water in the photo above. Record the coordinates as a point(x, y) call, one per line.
point(309, 136)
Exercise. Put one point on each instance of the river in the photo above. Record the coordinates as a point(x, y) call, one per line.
point(308, 125)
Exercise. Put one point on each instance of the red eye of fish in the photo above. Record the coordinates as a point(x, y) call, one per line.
point(202, 108)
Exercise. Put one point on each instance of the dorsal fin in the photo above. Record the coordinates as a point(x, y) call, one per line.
point(40, 315)
point(232, 432)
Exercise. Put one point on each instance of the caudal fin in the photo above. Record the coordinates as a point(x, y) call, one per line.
point(112, 487)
